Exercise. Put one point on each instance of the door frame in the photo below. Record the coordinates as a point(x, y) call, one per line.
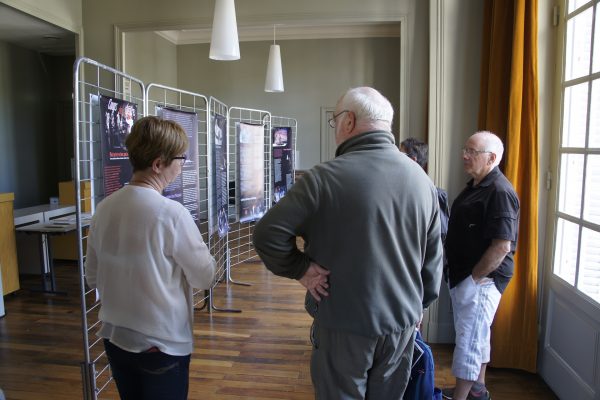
point(328, 145)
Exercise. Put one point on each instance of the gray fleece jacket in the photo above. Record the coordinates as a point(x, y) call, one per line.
point(370, 216)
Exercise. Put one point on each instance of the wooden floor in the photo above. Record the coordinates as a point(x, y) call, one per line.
point(261, 353)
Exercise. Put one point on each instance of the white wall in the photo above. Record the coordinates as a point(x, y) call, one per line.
point(315, 72)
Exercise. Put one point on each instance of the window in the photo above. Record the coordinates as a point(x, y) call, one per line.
point(577, 235)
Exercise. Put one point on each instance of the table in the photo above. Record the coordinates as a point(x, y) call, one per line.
point(27, 245)
point(45, 230)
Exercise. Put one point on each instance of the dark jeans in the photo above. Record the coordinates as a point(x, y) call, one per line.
point(150, 375)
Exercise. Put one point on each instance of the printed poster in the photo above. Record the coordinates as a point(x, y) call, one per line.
point(282, 161)
point(116, 119)
point(221, 196)
point(251, 172)
point(185, 188)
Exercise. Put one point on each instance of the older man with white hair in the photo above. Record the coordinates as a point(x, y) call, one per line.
point(481, 242)
point(373, 255)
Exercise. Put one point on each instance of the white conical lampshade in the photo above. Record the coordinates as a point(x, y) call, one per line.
point(274, 80)
point(224, 44)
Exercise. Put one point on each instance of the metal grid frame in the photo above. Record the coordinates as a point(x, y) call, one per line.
point(219, 245)
point(293, 123)
point(165, 96)
point(93, 79)
point(239, 237)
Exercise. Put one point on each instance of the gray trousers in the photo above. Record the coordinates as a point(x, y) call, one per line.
point(345, 366)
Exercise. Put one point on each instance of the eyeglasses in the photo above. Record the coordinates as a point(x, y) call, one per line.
point(331, 121)
point(182, 159)
point(472, 152)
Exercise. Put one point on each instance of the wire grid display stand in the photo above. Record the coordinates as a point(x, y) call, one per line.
point(164, 96)
point(218, 245)
point(92, 79)
point(277, 122)
point(239, 237)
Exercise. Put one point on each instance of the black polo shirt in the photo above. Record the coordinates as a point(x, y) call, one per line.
point(479, 214)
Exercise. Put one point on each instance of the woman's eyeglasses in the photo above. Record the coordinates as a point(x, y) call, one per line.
point(182, 159)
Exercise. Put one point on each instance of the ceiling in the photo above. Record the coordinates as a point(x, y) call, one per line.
point(32, 33)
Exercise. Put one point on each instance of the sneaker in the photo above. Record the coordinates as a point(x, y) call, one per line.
point(448, 394)
point(483, 395)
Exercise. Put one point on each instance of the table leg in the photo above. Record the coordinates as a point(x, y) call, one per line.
point(47, 266)
point(50, 264)
point(43, 258)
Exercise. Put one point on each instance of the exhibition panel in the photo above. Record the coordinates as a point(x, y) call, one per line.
point(284, 131)
point(239, 163)
point(191, 188)
point(249, 133)
point(106, 104)
point(219, 194)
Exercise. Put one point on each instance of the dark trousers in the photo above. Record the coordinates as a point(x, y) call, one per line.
point(150, 375)
point(351, 367)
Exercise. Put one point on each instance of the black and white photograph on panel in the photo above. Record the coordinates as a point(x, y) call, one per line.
point(220, 198)
point(116, 119)
point(251, 173)
point(186, 187)
point(282, 161)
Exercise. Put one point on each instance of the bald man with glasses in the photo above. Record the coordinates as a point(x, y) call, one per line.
point(372, 258)
point(480, 245)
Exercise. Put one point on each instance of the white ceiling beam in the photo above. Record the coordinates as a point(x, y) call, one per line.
point(261, 33)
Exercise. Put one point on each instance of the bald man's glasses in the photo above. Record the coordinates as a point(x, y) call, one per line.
point(331, 121)
point(467, 151)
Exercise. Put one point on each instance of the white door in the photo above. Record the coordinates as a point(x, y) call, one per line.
point(328, 145)
point(569, 358)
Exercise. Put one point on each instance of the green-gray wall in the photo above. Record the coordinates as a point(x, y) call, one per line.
point(151, 58)
point(315, 72)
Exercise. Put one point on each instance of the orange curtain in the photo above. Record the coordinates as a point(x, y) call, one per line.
point(509, 108)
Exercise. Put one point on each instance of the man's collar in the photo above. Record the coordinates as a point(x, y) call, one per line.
point(488, 179)
point(370, 137)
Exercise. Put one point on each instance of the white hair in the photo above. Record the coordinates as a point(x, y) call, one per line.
point(492, 143)
point(367, 104)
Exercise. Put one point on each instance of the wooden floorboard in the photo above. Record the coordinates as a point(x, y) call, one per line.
point(261, 353)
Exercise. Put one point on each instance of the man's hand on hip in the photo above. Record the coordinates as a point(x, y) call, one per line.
point(315, 281)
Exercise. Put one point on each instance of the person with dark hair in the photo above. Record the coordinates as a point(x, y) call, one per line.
point(419, 151)
point(372, 258)
point(144, 256)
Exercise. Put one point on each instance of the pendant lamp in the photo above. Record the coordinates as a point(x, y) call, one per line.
point(224, 44)
point(274, 79)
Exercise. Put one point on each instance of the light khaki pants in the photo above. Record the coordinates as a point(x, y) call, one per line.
point(346, 366)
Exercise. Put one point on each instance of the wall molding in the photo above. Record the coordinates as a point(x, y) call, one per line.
point(437, 136)
point(44, 14)
point(296, 32)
